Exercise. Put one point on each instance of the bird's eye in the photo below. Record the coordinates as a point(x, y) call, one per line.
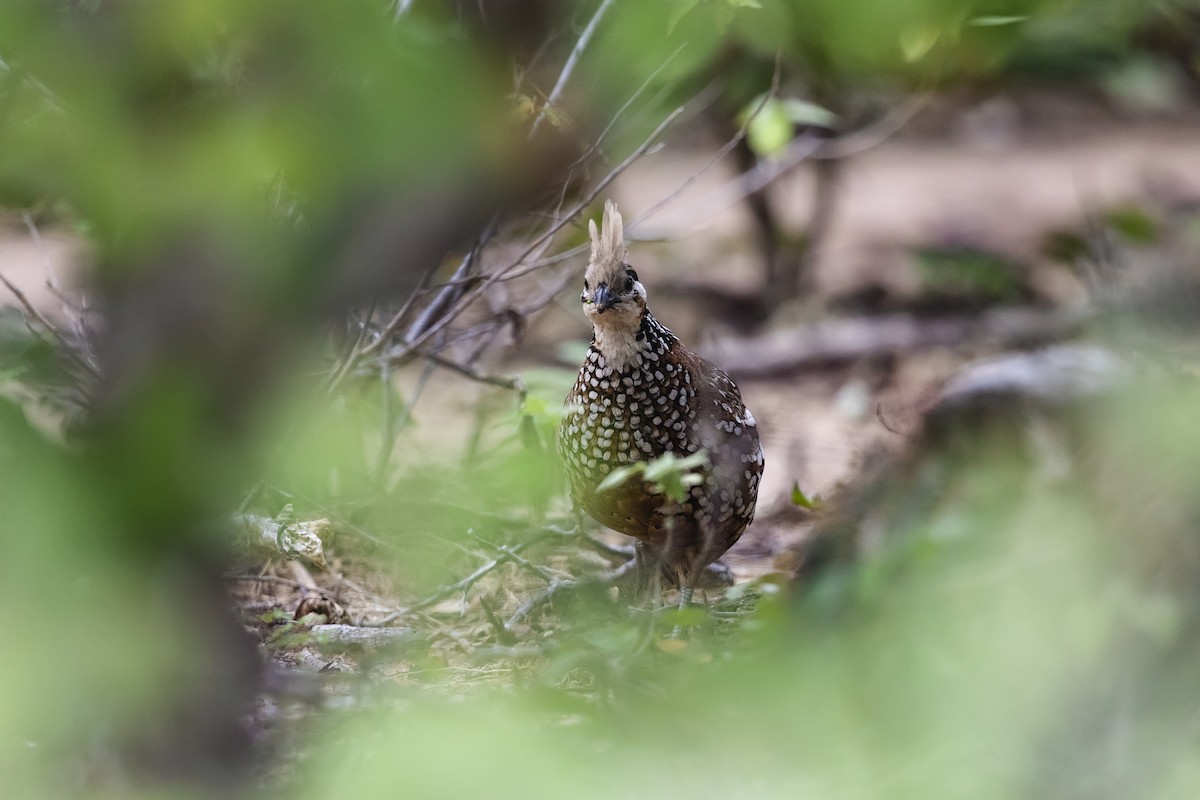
point(630, 277)
point(586, 288)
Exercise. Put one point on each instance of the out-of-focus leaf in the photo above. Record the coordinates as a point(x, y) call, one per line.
point(799, 498)
point(1134, 224)
point(618, 476)
point(682, 8)
point(672, 646)
point(995, 21)
point(770, 130)
point(689, 617)
point(916, 42)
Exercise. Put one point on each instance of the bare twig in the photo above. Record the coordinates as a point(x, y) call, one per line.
point(720, 154)
point(569, 66)
point(457, 285)
point(625, 107)
point(461, 585)
point(348, 361)
point(528, 565)
point(557, 586)
point(282, 581)
point(68, 348)
point(387, 430)
point(388, 433)
point(514, 383)
point(355, 355)
point(511, 272)
point(886, 425)
point(839, 340)
point(874, 135)
point(803, 148)
point(448, 293)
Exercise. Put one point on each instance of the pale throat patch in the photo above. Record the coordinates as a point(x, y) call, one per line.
point(616, 332)
point(619, 346)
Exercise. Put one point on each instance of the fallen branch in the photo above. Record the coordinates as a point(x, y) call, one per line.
point(364, 638)
point(848, 339)
point(284, 536)
point(550, 592)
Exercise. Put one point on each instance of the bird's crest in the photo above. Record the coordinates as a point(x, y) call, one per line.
point(608, 244)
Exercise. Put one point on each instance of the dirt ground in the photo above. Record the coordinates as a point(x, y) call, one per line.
point(1000, 186)
point(996, 177)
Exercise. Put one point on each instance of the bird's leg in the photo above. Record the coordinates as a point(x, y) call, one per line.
point(577, 514)
point(656, 588)
point(643, 558)
point(687, 586)
point(648, 572)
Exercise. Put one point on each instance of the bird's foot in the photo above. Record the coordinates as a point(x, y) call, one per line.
point(715, 576)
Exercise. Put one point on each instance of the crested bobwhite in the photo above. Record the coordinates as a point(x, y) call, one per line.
point(641, 393)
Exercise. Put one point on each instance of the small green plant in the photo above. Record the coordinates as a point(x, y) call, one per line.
point(669, 474)
point(799, 498)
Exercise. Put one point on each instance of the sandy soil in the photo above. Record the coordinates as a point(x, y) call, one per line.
point(1002, 189)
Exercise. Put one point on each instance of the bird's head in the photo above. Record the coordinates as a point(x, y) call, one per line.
point(613, 297)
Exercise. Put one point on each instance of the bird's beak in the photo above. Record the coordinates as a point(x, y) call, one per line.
point(603, 299)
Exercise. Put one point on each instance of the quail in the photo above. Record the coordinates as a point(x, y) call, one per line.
point(642, 393)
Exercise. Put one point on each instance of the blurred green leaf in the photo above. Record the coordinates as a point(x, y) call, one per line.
point(1134, 224)
point(690, 617)
point(770, 129)
point(681, 9)
point(995, 21)
point(799, 498)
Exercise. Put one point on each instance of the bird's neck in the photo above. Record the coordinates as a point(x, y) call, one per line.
point(625, 346)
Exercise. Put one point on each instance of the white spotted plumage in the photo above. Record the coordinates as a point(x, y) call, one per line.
point(641, 393)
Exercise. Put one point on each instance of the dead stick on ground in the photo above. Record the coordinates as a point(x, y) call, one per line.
point(555, 587)
point(839, 340)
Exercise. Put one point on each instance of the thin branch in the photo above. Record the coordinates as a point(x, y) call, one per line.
point(801, 149)
point(549, 593)
point(871, 137)
point(721, 153)
point(350, 359)
point(446, 591)
point(538, 570)
point(511, 272)
point(388, 434)
point(569, 67)
point(68, 348)
point(620, 111)
point(505, 556)
point(282, 581)
point(447, 293)
point(508, 273)
point(513, 384)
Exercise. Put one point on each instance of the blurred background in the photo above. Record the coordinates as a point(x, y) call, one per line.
point(289, 306)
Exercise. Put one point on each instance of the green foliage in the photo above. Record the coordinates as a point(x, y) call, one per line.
point(668, 474)
point(229, 161)
point(771, 122)
point(968, 274)
point(799, 498)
